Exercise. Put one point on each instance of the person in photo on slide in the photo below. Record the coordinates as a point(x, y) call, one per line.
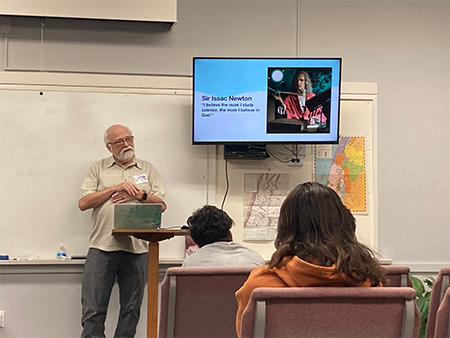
point(119, 178)
point(294, 103)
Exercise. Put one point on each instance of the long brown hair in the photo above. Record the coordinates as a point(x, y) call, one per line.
point(308, 83)
point(316, 226)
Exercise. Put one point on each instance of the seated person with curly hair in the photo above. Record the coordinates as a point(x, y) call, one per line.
point(210, 230)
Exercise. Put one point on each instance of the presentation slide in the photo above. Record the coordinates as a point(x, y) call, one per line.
point(266, 100)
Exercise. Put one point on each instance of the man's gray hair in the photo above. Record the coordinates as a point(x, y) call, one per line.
point(105, 137)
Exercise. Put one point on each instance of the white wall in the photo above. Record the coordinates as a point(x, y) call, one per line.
point(403, 46)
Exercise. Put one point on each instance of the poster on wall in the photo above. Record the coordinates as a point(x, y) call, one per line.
point(263, 196)
point(342, 167)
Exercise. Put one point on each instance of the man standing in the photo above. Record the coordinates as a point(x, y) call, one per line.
point(119, 178)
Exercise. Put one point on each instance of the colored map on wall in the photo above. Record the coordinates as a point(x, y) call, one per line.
point(342, 167)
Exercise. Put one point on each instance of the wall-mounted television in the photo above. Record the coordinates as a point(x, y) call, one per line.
point(266, 100)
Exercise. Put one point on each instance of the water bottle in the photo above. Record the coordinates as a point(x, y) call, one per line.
point(61, 253)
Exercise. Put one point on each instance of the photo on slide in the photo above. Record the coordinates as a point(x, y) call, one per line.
point(298, 100)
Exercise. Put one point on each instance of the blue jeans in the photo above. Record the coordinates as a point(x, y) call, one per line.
point(100, 272)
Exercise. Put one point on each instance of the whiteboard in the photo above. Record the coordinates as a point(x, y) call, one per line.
point(48, 143)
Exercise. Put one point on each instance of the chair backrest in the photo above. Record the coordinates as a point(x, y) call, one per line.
point(442, 328)
point(397, 275)
point(438, 290)
point(200, 301)
point(331, 312)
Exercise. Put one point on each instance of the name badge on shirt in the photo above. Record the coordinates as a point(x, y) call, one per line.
point(140, 179)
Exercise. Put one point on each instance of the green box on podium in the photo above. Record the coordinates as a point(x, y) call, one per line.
point(137, 216)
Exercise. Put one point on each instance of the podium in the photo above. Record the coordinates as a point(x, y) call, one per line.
point(153, 236)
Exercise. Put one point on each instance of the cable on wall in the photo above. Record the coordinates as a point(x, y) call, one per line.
point(5, 28)
point(228, 183)
point(42, 53)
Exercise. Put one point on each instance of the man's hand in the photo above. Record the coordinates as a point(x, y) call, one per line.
point(122, 197)
point(126, 187)
point(121, 193)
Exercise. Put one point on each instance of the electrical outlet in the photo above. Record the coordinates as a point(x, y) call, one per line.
point(2, 318)
point(295, 162)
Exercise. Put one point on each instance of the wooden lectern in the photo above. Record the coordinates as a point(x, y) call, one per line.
point(153, 236)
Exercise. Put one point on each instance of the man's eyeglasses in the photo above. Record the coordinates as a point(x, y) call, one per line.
point(121, 141)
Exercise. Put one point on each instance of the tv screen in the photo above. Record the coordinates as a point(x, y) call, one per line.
point(266, 100)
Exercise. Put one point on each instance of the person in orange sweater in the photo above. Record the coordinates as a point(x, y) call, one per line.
point(316, 246)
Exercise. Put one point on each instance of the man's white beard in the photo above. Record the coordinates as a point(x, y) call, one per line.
point(126, 156)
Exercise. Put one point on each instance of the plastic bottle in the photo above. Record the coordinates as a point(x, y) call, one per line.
point(61, 253)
